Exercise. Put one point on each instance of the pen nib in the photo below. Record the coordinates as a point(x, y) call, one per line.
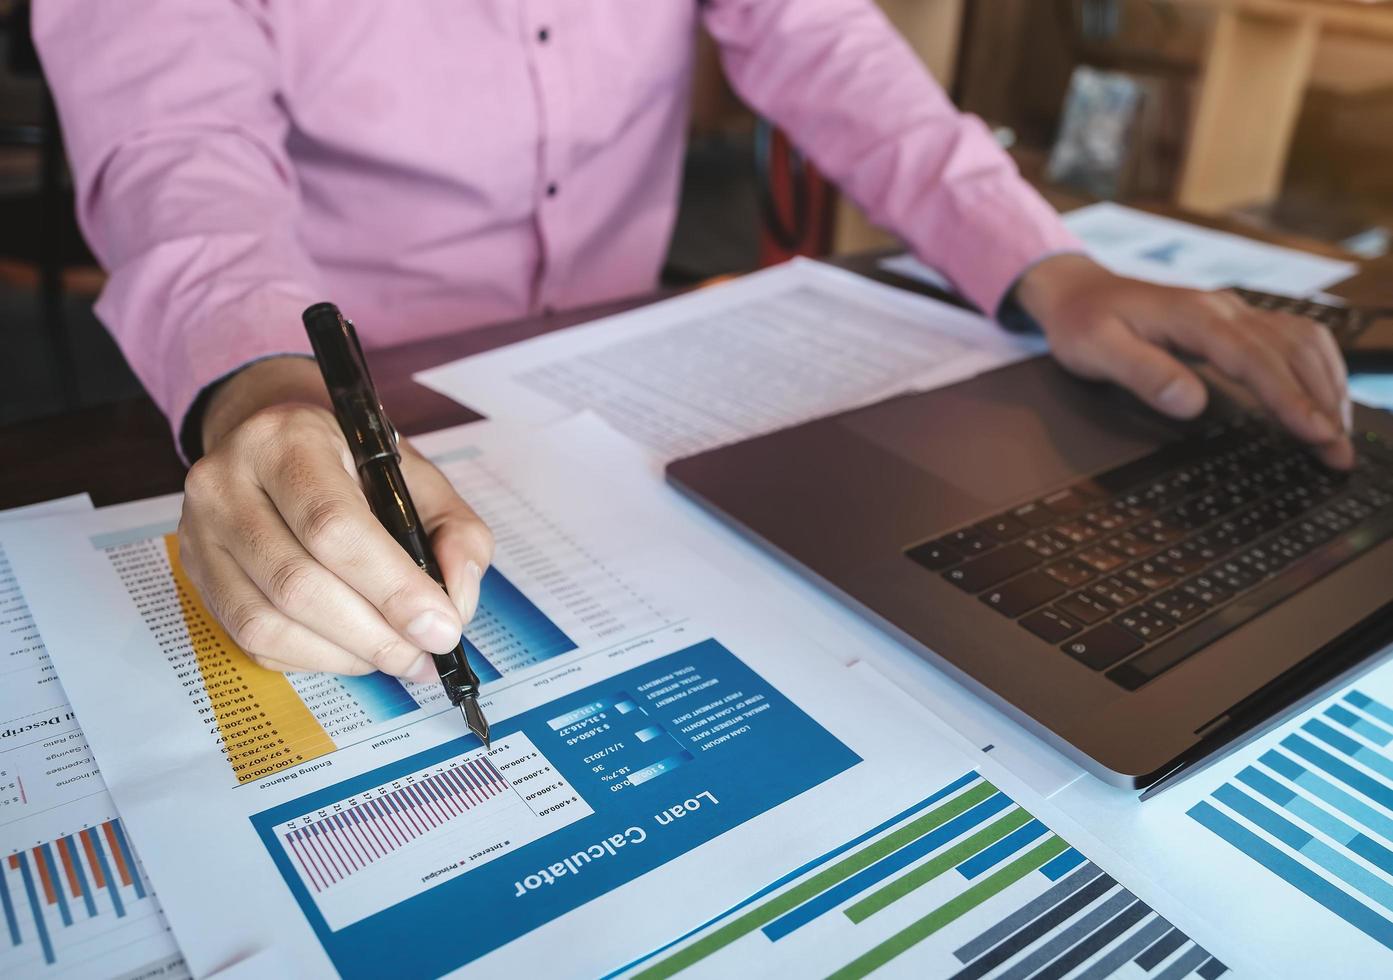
point(474, 718)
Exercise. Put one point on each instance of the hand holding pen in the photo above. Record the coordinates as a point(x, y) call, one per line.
point(278, 537)
point(372, 442)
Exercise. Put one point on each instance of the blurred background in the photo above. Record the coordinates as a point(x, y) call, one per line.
point(1270, 117)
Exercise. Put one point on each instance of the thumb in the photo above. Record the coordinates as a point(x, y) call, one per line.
point(461, 541)
point(1113, 352)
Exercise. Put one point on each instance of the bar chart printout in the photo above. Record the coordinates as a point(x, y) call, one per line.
point(72, 901)
point(577, 798)
point(360, 855)
point(1316, 810)
point(964, 884)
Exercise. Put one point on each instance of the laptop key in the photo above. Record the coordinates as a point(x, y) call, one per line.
point(1051, 626)
point(1034, 515)
point(1145, 623)
point(1068, 501)
point(993, 567)
point(935, 555)
point(1179, 606)
point(1046, 545)
point(1071, 573)
point(1003, 528)
point(1114, 591)
point(1102, 646)
point(969, 542)
point(1086, 610)
point(1101, 560)
point(1024, 594)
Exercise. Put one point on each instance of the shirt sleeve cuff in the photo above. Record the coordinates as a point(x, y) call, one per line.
point(991, 234)
point(189, 432)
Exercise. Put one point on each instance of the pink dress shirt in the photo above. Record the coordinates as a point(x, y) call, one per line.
point(435, 164)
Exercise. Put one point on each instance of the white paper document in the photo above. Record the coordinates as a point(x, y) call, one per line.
point(769, 350)
point(1285, 847)
point(1148, 246)
point(1175, 253)
point(74, 899)
point(670, 759)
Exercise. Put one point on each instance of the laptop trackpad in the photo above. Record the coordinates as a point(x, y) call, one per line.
point(1015, 433)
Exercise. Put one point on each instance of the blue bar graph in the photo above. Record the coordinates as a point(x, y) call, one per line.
point(1363, 726)
point(35, 909)
point(129, 855)
point(68, 847)
point(887, 866)
point(1059, 867)
point(8, 905)
point(49, 891)
point(1013, 842)
point(51, 872)
point(1289, 795)
point(1368, 705)
point(509, 632)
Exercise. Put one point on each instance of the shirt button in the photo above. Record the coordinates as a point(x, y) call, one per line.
point(543, 35)
point(551, 190)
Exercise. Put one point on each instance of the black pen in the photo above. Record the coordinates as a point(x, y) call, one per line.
point(373, 442)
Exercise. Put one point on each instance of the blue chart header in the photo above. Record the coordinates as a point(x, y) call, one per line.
point(576, 798)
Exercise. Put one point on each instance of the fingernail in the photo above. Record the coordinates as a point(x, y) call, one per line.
point(433, 632)
point(1177, 398)
point(422, 671)
point(472, 568)
point(1347, 415)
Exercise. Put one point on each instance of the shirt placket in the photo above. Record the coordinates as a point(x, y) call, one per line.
point(544, 37)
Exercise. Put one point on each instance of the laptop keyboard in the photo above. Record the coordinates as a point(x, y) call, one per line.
point(1133, 570)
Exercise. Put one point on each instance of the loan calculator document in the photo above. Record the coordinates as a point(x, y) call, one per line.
point(681, 779)
point(769, 350)
point(74, 898)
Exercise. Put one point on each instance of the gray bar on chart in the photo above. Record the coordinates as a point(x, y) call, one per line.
point(1070, 937)
point(1212, 970)
point(1164, 946)
point(1095, 942)
point(1015, 920)
point(1040, 928)
point(1137, 942)
point(1183, 966)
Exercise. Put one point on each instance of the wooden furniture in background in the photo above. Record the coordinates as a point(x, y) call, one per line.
point(1259, 63)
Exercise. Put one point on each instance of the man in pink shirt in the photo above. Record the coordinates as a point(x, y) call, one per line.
point(434, 164)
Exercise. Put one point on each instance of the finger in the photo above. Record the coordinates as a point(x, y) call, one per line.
point(1308, 361)
point(308, 593)
point(461, 541)
point(264, 633)
point(1113, 352)
point(1249, 356)
point(324, 507)
point(1339, 372)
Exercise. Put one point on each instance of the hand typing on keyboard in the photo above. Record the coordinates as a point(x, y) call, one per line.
point(1111, 328)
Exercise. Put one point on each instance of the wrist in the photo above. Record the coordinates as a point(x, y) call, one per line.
point(1053, 282)
point(262, 384)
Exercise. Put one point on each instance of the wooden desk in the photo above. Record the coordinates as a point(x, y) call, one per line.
point(125, 452)
point(1255, 75)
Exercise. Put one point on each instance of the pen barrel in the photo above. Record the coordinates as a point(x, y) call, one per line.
point(385, 487)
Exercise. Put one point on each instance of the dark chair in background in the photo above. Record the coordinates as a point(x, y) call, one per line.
point(39, 237)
